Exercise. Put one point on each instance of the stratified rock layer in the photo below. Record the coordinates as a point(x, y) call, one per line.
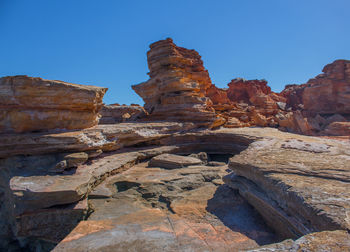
point(319, 107)
point(177, 86)
point(247, 103)
point(298, 184)
point(182, 209)
point(114, 113)
point(322, 105)
point(306, 196)
point(34, 104)
point(329, 93)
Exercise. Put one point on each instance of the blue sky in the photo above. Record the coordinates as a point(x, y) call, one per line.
point(104, 43)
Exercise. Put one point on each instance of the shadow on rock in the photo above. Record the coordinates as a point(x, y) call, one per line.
point(235, 213)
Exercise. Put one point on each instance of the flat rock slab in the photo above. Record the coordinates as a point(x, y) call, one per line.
point(31, 192)
point(172, 161)
point(106, 137)
point(151, 230)
point(299, 184)
point(154, 209)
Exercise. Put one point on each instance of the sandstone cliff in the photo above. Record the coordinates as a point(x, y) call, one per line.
point(322, 105)
point(319, 107)
point(34, 104)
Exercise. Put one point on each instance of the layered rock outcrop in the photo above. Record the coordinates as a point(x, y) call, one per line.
point(319, 107)
point(34, 104)
point(322, 105)
point(187, 206)
point(297, 183)
point(327, 93)
point(180, 89)
point(177, 86)
point(146, 185)
point(247, 103)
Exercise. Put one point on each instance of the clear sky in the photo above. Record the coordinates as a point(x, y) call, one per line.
point(104, 42)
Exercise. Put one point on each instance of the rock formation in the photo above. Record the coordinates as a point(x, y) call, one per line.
point(169, 179)
point(177, 85)
point(247, 103)
point(319, 107)
point(323, 103)
point(188, 205)
point(327, 93)
point(34, 104)
point(116, 113)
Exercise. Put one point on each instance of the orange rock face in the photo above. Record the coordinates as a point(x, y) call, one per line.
point(177, 85)
point(246, 103)
point(34, 104)
point(319, 107)
point(329, 92)
point(180, 89)
point(322, 105)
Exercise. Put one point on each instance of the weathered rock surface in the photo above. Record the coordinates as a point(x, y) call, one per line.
point(130, 202)
point(151, 209)
point(336, 241)
point(34, 197)
point(112, 114)
point(34, 104)
point(322, 101)
point(177, 85)
point(180, 89)
point(172, 161)
point(149, 186)
point(329, 92)
point(101, 137)
point(298, 184)
point(247, 103)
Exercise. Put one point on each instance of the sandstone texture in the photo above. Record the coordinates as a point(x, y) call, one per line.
point(34, 104)
point(329, 93)
point(247, 103)
point(112, 114)
point(177, 86)
point(336, 241)
point(113, 202)
point(198, 168)
point(180, 89)
point(101, 137)
point(322, 101)
point(171, 161)
point(183, 209)
point(300, 195)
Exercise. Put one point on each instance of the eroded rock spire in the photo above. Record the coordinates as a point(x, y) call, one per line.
point(176, 90)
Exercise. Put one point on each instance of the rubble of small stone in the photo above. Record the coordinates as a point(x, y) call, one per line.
point(198, 168)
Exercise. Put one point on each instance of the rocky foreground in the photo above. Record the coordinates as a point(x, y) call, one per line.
point(197, 168)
